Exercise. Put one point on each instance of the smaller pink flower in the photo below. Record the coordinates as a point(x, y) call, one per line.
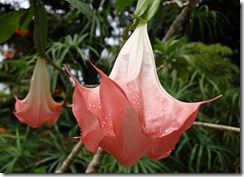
point(38, 106)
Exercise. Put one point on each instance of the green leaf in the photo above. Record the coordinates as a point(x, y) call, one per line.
point(159, 46)
point(41, 169)
point(83, 7)
point(157, 20)
point(40, 32)
point(9, 22)
point(146, 9)
point(121, 4)
point(26, 19)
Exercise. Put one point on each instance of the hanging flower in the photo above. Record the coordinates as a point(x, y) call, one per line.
point(130, 113)
point(38, 106)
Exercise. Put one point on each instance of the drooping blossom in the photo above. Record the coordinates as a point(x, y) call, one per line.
point(38, 106)
point(130, 113)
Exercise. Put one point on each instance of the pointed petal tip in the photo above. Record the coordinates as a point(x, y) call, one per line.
point(219, 96)
point(97, 69)
point(199, 103)
point(213, 99)
point(16, 98)
point(67, 70)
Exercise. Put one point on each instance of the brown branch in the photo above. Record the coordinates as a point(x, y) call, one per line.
point(217, 126)
point(96, 161)
point(180, 19)
point(179, 3)
point(70, 158)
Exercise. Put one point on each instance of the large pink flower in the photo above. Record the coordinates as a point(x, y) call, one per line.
point(130, 113)
point(38, 106)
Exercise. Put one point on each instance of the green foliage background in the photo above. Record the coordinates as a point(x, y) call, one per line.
point(200, 62)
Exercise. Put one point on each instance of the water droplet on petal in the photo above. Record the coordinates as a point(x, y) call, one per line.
point(103, 124)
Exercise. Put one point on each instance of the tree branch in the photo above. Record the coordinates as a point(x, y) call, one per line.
point(96, 161)
point(179, 3)
point(70, 158)
point(180, 19)
point(217, 126)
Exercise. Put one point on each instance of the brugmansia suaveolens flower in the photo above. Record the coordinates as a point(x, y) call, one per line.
point(130, 113)
point(38, 106)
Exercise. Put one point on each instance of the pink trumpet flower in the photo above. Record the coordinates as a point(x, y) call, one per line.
point(38, 106)
point(130, 113)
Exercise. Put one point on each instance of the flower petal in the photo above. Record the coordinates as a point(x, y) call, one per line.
point(86, 111)
point(131, 143)
point(161, 147)
point(121, 124)
point(129, 61)
point(113, 101)
point(34, 115)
